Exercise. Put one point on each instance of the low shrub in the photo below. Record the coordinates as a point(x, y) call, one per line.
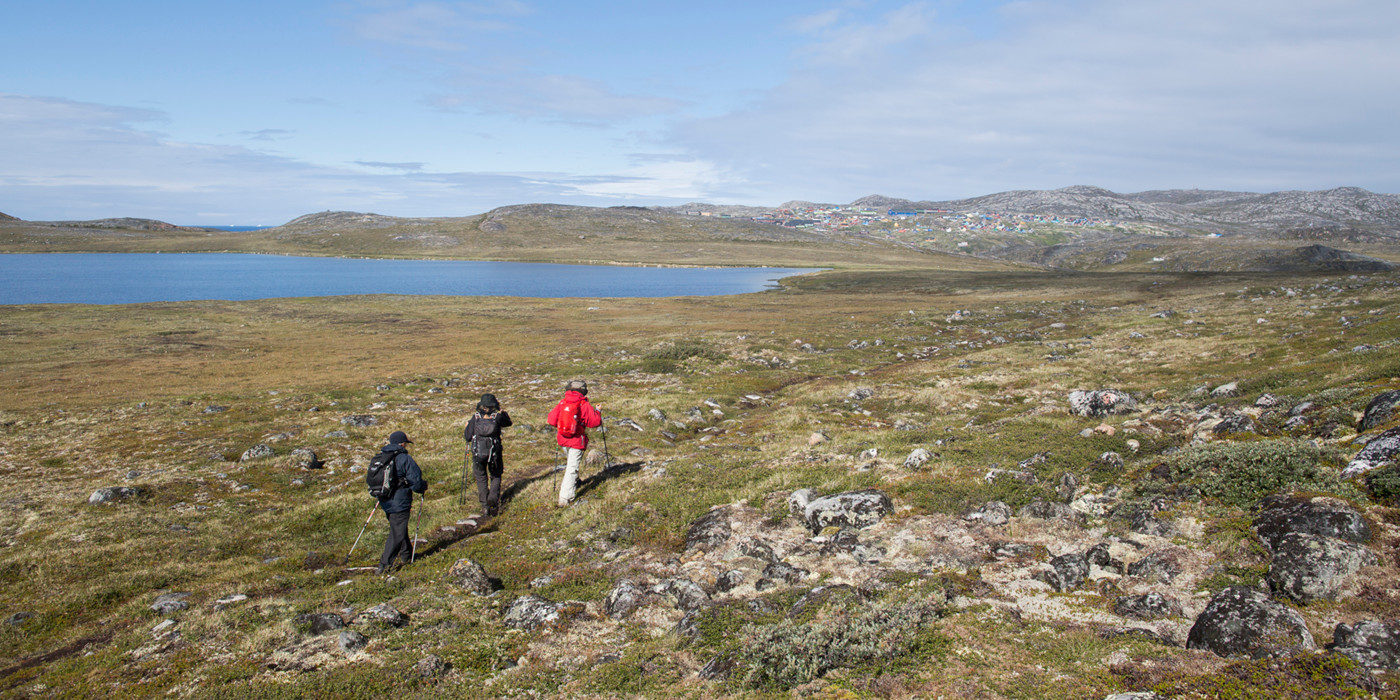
point(1240, 473)
point(1384, 484)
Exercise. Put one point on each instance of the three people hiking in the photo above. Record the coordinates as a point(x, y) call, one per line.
point(393, 478)
point(483, 436)
point(571, 417)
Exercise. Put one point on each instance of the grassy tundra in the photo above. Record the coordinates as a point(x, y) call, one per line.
point(166, 397)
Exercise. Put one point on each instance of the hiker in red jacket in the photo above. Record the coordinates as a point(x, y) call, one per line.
point(571, 417)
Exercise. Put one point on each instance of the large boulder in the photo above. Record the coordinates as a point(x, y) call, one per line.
point(1309, 567)
point(1067, 572)
point(1379, 411)
point(1382, 450)
point(708, 531)
point(530, 611)
point(1281, 515)
point(1240, 622)
point(1100, 403)
point(857, 509)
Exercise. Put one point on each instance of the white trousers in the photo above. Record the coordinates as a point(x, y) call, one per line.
point(570, 482)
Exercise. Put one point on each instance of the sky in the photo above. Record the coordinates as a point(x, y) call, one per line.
point(259, 111)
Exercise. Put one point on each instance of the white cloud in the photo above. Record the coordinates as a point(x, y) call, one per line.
point(438, 26)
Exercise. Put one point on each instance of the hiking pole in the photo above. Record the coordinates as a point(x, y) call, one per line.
point(607, 458)
point(462, 499)
point(418, 529)
point(362, 533)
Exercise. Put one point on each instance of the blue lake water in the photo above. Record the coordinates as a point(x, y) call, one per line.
point(130, 278)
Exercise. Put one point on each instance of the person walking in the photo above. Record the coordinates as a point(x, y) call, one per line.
point(571, 418)
point(397, 504)
point(483, 436)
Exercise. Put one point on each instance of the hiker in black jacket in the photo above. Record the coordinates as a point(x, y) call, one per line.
point(483, 436)
point(398, 504)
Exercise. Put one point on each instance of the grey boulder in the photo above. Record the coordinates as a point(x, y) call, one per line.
point(1240, 622)
point(858, 509)
point(1309, 567)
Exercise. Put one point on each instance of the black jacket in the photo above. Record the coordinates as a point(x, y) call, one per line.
point(410, 480)
point(502, 421)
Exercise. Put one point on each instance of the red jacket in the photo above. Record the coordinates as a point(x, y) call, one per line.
point(574, 402)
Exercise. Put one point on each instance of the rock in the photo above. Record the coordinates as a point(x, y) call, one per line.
point(1144, 522)
point(385, 614)
point(816, 438)
point(431, 666)
point(1148, 606)
point(1382, 450)
point(862, 393)
point(717, 668)
point(214, 409)
point(918, 458)
point(18, 619)
point(859, 509)
point(337, 434)
point(1226, 390)
point(689, 596)
point(528, 612)
point(1048, 510)
point(1267, 401)
point(624, 597)
point(1371, 644)
point(1309, 567)
point(991, 513)
point(798, 500)
point(1235, 425)
point(1100, 555)
point(1069, 483)
point(1370, 658)
point(1111, 459)
point(167, 603)
point(997, 473)
point(1162, 565)
point(1067, 572)
point(1104, 402)
point(1144, 695)
point(820, 595)
point(258, 451)
point(785, 572)
point(708, 531)
point(729, 580)
point(321, 623)
point(657, 415)
point(758, 549)
point(1240, 621)
point(1379, 411)
point(306, 458)
point(114, 494)
point(352, 642)
point(1281, 514)
point(359, 421)
point(471, 576)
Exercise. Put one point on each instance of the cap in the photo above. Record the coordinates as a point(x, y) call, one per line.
point(398, 438)
point(488, 401)
point(577, 385)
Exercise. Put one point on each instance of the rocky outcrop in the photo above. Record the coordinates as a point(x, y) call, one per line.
point(1281, 515)
point(857, 509)
point(1241, 622)
point(708, 531)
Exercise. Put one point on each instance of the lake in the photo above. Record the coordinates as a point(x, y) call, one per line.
point(131, 278)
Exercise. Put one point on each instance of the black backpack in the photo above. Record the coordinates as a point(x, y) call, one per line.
point(483, 444)
point(382, 477)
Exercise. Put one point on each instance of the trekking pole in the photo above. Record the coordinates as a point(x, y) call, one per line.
point(418, 529)
point(462, 497)
point(607, 458)
point(362, 533)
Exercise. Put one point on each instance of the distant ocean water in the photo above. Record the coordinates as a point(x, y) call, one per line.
point(131, 278)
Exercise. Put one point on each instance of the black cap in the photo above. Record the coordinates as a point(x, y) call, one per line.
point(488, 401)
point(398, 438)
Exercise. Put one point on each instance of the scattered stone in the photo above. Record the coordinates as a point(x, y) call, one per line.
point(113, 494)
point(167, 603)
point(1112, 459)
point(729, 580)
point(1380, 451)
point(717, 668)
point(708, 531)
point(918, 458)
point(993, 513)
point(1240, 621)
point(528, 612)
point(384, 613)
point(785, 572)
point(657, 415)
point(1308, 567)
point(431, 666)
point(1144, 522)
point(214, 409)
point(816, 438)
point(624, 597)
point(1048, 510)
point(1067, 572)
point(1144, 695)
point(862, 393)
point(321, 623)
point(337, 434)
point(1379, 411)
point(1104, 402)
point(258, 451)
point(1235, 425)
point(1021, 476)
point(471, 576)
point(758, 549)
point(352, 642)
point(1226, 390)
point(1069, 483)
point(18, 619)
point(1100, 555)
point(359, 421)
point(857, 509)
point(689, 596)
point(306, 458)
point(1267, 401)
point(1148, 606)
point(1162, 565)
point(1280, 515)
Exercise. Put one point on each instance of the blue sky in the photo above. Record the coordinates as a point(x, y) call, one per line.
point(256, 112)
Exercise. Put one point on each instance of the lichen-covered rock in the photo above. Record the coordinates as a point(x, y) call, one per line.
point(352, 642)
point(1048, 510)
point(991, 513)
point(1148, 606)
point(1163, 565)
point(167, 603)
point(430, 666)
point(1379, 411)
point(1235, 425)
point(1379, 452)
point(1100, 403)
point(729, 580)
point(1144, 522)
point(528, 612)
point(1309, 567)
point(1240, 621)
point(624, 597)
point(1280, 515)
point(305, 458)
point(785, 572)
point(858, 509)
point(918, 458)
point(113, 494)
point(384, 614)
point(258, 451)
point(1371, 644)
point(359, 421)
point(708, 531)
point(471, 576)
point(1067, 572)
point(798, 500)
point(689, 596)
point(321, 623)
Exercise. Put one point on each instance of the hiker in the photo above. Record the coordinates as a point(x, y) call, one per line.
point(483, 436)
point(397, 503)
point(571, 417)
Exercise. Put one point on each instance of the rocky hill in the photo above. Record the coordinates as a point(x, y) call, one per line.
point(7, 217)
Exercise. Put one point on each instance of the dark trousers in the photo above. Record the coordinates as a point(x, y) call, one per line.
point(488, 482)
point(398, 542)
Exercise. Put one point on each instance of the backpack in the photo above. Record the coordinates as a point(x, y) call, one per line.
point(483, 438)
point(570, 421)
point(382, 477)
